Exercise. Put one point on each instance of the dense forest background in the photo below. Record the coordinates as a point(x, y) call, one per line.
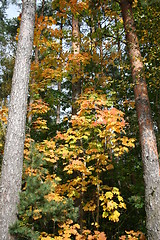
point(82, 172)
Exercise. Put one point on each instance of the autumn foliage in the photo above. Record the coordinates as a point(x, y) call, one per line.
point(82, 175)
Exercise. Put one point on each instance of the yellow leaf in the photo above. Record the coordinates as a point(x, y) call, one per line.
point(114, 216)
point(109, 195)
point(122, 205)
point(105, 215)
point(115, 191)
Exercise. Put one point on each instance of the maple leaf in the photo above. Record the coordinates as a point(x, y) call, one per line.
point(114, 216)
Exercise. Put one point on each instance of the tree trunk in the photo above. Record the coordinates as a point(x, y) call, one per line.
point(31, 100)
point(13, 152)
point(147, 136)
point(76, 83)
point(76, 91)
point(59, 83)
point(59, 105)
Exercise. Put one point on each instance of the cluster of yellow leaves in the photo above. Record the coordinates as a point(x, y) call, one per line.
point(87, 147)
point(78, 6)
point(38, 107)
point(68, 230)
point(40, 124)
point(46, 236)
point(52, 65)
point(75, 6)
point(74, 62)
point(100, 127)
point(131, 235)
point(27, 146)
point(37, 214)
point(48, 149)
point(95, 134)
point(110, 206)
point(3, 125)
point(54, 196)
point(90, 206)
point(4, 115)
point(30, 171)
point(134, 4)
point(42, 24)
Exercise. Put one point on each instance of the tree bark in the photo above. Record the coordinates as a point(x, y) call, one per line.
point(147, 135)
point(13, 152)
point(76, 83)
point(59, 83)
point(76, 91)
point(31, 100)
point(58, 105)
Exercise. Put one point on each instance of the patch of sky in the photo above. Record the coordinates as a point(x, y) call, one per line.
point(14, 10)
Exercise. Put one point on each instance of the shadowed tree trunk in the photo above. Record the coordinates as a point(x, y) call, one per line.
point(13, 152)
point(31, 100)
point(76, 91)
point(76, 81)
point(147, 136)
point(58, 106)
point(59, 83)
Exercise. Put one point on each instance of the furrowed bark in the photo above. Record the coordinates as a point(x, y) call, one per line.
point(147, 135)
point(11, 177)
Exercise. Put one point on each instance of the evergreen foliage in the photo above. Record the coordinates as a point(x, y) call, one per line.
point(37, 212)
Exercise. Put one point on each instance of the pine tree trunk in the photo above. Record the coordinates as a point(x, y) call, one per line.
point(13, 152)
point(147, 136)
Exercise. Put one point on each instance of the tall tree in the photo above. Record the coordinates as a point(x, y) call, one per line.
point(59, 83)
point(76, 81)
point(147, 136)
point(13, 153)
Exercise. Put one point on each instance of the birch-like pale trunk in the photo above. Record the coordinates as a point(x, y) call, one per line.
point(11, 176)
point(59, 83)
point(147, 135)
point(76, 83)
